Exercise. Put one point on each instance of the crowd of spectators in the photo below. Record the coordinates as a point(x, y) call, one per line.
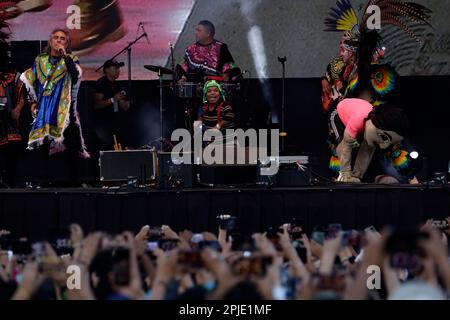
point(282, 263)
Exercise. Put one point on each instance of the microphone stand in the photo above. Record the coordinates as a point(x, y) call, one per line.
point(161, 110)
point(283, 134)
point(128, 50)
point(174, 81)
point(173, 64)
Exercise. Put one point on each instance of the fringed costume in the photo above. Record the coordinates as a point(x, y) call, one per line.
point(53, 84)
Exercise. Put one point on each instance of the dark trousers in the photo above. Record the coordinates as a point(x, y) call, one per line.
point(44, 167)
point(9, 157)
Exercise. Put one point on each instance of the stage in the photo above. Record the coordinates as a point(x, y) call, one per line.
point(33, 212)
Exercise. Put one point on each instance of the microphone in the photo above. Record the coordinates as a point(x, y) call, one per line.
point(61, 52)
point(141, 24)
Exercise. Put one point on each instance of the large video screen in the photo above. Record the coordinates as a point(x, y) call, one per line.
point(107, 27)
point(257, 33)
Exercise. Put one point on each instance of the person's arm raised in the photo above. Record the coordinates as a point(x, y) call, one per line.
point(373, 256)
point(330, 250)
point(438, 251)
point(290, 253)
point(165, 271)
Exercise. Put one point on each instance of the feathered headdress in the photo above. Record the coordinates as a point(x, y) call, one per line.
point(396, 13)
point(393, 12)
point(342, 18)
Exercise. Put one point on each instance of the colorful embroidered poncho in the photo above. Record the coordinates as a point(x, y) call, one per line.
point(49, 83)
point(213, 60)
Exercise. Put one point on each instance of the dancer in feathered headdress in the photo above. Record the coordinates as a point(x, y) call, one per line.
point(334, 83)
point(364, 79)
point(369, 76)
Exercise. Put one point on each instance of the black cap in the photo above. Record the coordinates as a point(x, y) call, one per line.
point(113, 63)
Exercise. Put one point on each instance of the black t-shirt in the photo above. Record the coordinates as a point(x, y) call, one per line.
point(109, 89)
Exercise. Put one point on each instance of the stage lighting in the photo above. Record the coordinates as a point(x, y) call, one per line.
point(414, 155)
point(256, 42)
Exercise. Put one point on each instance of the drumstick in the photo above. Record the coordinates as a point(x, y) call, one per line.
point(116, 146)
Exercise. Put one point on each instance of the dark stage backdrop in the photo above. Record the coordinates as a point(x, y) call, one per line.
point(424, 99)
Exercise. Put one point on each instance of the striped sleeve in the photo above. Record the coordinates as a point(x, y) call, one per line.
point(227, 113)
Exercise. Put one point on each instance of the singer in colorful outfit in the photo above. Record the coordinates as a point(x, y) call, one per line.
point(52, 85)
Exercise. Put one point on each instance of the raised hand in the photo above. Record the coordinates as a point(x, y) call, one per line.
point(30, 282)
point(169, 233)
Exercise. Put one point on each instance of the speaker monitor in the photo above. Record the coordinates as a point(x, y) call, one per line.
point(120, 166)
point(174, 174)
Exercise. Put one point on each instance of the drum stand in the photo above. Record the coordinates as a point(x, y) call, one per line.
point(160, 71)
point(161, 137)
point(189, 108)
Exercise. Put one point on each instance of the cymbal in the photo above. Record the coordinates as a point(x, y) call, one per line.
point(158, 69)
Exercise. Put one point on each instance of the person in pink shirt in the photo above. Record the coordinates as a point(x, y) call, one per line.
point(356, 123)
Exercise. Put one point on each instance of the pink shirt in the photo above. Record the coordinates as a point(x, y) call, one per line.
point(353, 112)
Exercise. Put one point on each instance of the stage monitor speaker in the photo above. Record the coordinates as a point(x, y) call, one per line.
point(23, 53)
point(213, 175)
point(121, 166)
point(293, 171)
point(174, 174)
point(289, 175)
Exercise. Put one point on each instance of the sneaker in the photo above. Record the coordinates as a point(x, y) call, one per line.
point(101, 22)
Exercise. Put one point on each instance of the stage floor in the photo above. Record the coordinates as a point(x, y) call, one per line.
point(34, 212)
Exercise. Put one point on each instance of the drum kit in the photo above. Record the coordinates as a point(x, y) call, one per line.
point(187, 91)
point(190, 90)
